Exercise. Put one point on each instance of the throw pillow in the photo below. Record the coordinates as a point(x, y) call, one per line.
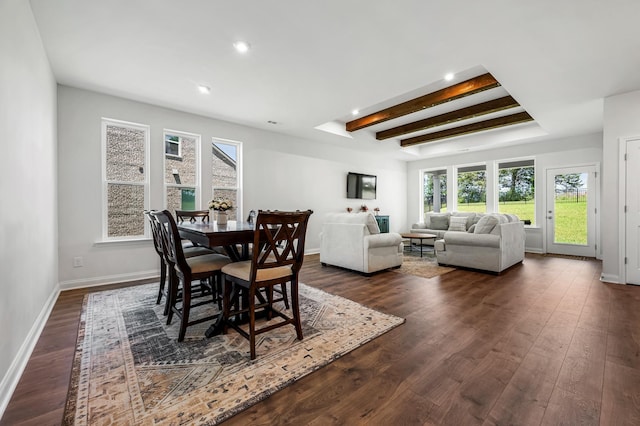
point(472, 229)
point(439, 222)
point(458, 223)
point(372, 224)
point(486, 224)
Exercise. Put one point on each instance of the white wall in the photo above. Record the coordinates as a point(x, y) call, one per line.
point(280, 172)
point(576, 150)
point(621, 120)
point(28, 216)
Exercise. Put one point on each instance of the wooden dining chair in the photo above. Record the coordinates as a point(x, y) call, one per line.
point(192, 215)
point(188, 250)
point(185, 272)
point(276, 260)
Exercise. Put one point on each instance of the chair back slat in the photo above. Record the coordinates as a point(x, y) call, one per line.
point(171, 241)
point(279, 238)
point(192, 215)
point(157, 238)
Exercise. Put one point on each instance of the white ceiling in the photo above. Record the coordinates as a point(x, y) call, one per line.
point(313, 62)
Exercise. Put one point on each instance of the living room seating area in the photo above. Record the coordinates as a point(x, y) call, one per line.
point(488, 242)
point(354, 241)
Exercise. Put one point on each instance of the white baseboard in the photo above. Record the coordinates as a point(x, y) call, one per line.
point(533, 250)
point(12, 377)
point(610, 278)
point(109, 279)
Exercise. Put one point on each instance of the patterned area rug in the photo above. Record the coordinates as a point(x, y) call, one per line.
point(425, 267)
point(130, 369)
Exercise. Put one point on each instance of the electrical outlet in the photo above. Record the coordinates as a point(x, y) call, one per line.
point(77, 262)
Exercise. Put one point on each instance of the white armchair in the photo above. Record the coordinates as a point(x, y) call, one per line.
point(354, 241)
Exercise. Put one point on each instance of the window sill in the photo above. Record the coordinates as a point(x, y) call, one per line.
point(123, 241)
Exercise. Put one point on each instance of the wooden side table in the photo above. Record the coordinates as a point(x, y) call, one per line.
point(417, 236)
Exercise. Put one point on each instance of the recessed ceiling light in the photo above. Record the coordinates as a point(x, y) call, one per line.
point(242, 46)
point(355, 112)
point(449, 76)
point(204, 89)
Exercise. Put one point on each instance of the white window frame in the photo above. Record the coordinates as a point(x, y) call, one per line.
point(238, 187)
point(453, 189)
point(105, 183)
point(179, 143)
point(431, 170)
point(496, 207)
point(197, 185)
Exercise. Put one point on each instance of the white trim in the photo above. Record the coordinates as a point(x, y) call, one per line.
point(610, 278)
point(622, 195)
point(105, 183)
point(124, 241)
point(197, 185)
point(596, 204)
point(109, 279)
point(239, 182)
point(13, 374)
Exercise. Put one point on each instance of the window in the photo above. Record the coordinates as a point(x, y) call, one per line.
point(434, 185)
point(172, 145)
point(225, 174)
point(472, 189)
point(516, 189)
point(181, 172)
point(125, 149)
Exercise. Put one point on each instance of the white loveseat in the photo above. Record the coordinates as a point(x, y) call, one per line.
point(494, 243)
point(354, 241)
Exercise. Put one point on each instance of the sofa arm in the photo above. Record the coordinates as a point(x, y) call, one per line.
point(470, 239)
point(420, 225)
point(382, 240)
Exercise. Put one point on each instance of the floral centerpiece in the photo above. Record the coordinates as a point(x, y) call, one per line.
point(221, 205)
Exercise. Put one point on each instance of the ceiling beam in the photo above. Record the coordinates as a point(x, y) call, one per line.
point(472, 111)
point(457, 91)
point(494, 123)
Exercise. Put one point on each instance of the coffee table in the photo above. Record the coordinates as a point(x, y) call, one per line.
point(418, 236)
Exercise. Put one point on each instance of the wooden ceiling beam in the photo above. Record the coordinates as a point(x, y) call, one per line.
point(494, 123)
point(472, 111)
point(457, 91)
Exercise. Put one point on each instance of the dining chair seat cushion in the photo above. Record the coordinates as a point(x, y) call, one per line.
point(207, 263)
point(242, 270)
point(186, 244)
point(196, 251)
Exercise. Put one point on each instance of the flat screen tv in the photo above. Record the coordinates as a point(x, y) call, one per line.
point(361, 186)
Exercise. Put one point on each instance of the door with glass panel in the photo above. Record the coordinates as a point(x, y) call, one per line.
point(570, 211)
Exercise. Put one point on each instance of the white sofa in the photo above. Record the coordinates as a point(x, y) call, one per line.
point(354, 241)
point(495, 243)
point(442, 224)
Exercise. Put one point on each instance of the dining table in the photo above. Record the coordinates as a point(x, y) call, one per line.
point(234, 237)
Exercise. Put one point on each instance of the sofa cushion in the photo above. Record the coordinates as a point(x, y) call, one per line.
point(472, 229)
point(439, 221)
point(471, 217)
point(458, 223)
point(486, 224)
point(363, 218)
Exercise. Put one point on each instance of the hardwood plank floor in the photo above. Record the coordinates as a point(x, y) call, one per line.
point(544, 343)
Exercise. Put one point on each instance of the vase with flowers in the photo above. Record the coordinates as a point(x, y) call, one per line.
point(376, 211)
point(220, 206)
point(364, 208)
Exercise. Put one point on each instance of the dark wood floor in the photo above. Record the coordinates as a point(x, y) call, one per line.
point(544, 343)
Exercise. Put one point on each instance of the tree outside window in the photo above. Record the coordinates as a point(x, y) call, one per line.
point(516, 187)
point(435, 191)
point(472, 189)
